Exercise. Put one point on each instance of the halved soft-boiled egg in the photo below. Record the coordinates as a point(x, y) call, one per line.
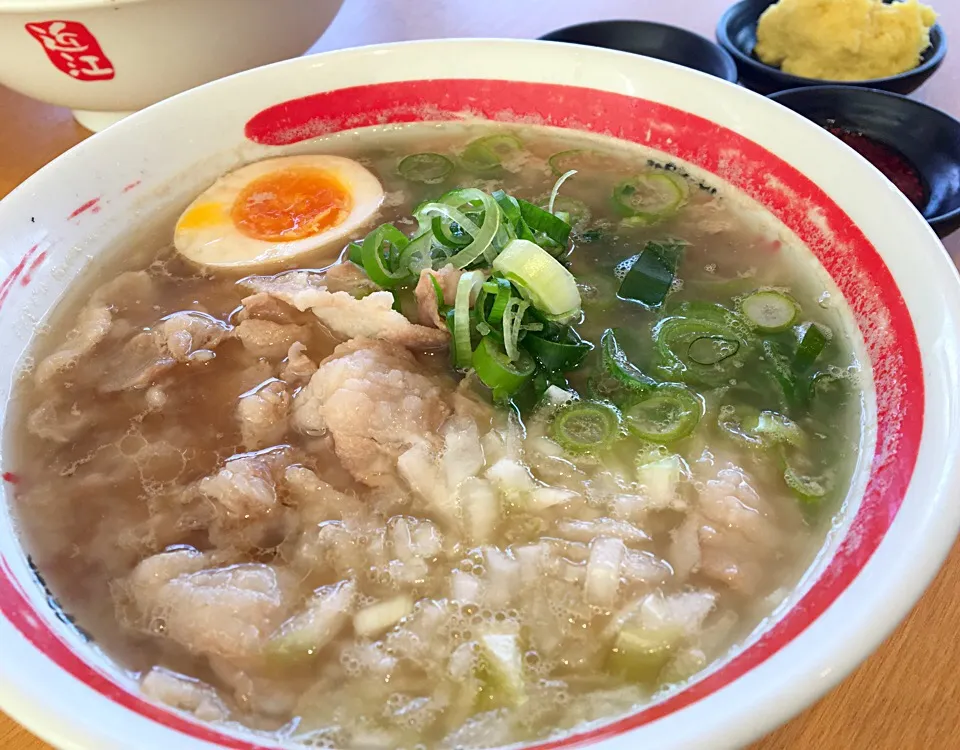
point(277, 209)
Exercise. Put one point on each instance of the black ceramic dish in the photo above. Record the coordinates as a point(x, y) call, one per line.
point(737, 34)
point(653, 40)
point(926, 137)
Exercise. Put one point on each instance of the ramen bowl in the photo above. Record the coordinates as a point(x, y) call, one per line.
point(106, 58)
point(899, 519)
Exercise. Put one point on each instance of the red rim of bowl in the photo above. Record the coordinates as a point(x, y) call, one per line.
point(845, 253)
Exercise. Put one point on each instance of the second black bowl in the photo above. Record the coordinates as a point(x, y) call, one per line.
point(737, 34)
point(657, 40)
point(926, 137)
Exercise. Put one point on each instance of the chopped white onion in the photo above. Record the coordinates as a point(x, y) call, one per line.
point(603, 571)
point(380, 617)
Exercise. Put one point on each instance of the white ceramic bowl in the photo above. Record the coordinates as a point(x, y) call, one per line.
point(899, 282)
point(106, 58)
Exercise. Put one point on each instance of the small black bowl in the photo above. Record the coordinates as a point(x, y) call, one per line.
point(926, 137)
point(737, 34)
point(653, 40)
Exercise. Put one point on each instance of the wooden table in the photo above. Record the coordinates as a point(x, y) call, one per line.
point(905, 697)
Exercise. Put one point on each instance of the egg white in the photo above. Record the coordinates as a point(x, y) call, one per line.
point(215, 241)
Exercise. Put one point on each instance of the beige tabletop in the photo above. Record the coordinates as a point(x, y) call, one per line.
point(907, 695)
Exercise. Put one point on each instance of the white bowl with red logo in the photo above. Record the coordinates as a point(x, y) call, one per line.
point(900, 519)
point(107, 58)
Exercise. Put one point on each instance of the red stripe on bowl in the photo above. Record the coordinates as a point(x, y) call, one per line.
point(841, 247)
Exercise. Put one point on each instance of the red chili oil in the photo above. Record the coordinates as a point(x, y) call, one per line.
point(888, 160)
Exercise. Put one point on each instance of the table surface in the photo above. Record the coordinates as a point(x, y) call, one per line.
point(906, 695)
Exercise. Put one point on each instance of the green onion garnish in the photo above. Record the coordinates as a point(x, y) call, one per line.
point(565, 354)
point(485, 155)
point(649, 198)
point(650, 277)
point(770, 311)
point(462, 345)
point(811, 346)
point(426, 168)
point(380, 254)
point(495, 370)
point(669, 413)
point(585, 426)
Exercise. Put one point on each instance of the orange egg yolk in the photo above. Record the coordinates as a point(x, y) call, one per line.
point(290, 205)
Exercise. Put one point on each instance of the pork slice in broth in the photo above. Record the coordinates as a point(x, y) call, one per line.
point(370, 316)
point(375, 400)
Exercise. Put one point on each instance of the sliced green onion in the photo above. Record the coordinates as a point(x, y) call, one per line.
point(649, 198)
point(504, 293)
point(563, 355)
point(712, 350)
point(807, 489)
point(514, 225)
point(487, 154)
point(512, 319)
point(706, 348)
point(770, 311)
point(377, 252)
point(508, 204)
point(354, 253)
point(783, 374)
point(550, 287)
point(578, 214)
point(556, 187)
point(448, 215)
point(418, 254)
point(496, 371)
point(455, 240)
point(449, 208)
point(437, 290)
point(462, 345)
point(669, 413)
point(544, 222)
point(651, 276)
point(619, 379)
point(811, 346)
point(427, 168)
point(583, 160)
point(585, 426)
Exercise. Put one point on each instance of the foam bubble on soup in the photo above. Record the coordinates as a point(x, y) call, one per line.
point(521, 459)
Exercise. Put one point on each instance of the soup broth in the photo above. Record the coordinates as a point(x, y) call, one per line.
point(325, 525)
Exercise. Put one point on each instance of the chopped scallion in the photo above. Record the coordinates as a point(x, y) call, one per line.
point(651, 197)
point(585, 426)
point(650, 277)
point(485, 155)
point(550, 287)
point(669, 413)
point(462, 345)
point(811, 346)
point(770, 311)
point(427, 168)
point(380, 255)
point(565, 354)
point(501, 375)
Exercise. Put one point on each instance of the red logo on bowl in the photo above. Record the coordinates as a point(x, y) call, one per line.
point(73, 49)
